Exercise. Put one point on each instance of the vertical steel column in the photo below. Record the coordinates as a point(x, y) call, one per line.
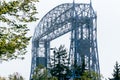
point(35, 46)
point(47, 53)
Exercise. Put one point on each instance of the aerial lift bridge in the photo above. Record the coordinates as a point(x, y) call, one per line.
point(80, 20)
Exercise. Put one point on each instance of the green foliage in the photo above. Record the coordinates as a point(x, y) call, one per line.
point(88, 75)
point(85, 76)
point(2, 78)
point(40, 73)
point(116, 72)
point(79, 70)
point(15, 76)
point(84, 73)
point(58, 66)
point(53, 78)
point(59, 63)
point(14, 16)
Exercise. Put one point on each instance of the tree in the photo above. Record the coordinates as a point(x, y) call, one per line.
point(79, 69)
point(14, 16)
point(116, 72)
point(2, 78)
point(85, 76)
point(40, 73)
point(53, 78)
point(15, 76)
point(81, 73)
point(88, 75)
point(59, 63)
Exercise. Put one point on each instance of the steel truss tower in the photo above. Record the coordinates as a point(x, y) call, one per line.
point(77, 18)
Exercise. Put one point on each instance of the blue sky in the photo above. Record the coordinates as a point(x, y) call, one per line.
point(108, 27)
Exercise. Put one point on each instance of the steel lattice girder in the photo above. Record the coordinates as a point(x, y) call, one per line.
point(80, 19)
point(59, 19)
